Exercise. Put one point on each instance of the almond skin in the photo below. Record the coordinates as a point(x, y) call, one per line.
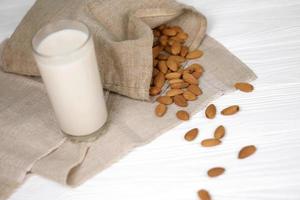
point(184, 51)
point(173, 75)
point(216, 171)
point(204, 195)
point(177, 59)
point(219, 132)
point(174, 92)
point(247, 151)
point(179, 85)
point(195, 89)
point(163, 40)
point(179, 100)
point(162, 66)
point(183, 115)
point(159, 80)
point(210, 142)
point(165, 100)
point(191, 134)
point(160, 110)
point(169, 32)
point(155, 51)
point(172, 65)
point(211, 111)
point(194, 54)
point(154, 91)
point(231, 110)
point(176, 48)
point(189, 96)
point(189, 78)
point(244, 87)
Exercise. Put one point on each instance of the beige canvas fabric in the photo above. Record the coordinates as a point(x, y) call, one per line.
point(122, 34)
point(30, 140)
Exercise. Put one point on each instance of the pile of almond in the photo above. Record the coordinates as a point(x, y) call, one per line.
point(169, 54)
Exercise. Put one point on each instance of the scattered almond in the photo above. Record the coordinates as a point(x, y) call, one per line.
point(160, 110)
point(173, 75)
point(230, 110)
point(177, 59)
point(191, 134)
point(176, 48)
point(219, 132)
point(154, 91)
point(162, 66)
point(165, 100)
point(183, 115)
point(204, 195)
point(216, 171)
point(211, 111)
point(172, 81)
point(159, 80)
point(184, 51)
point(246, 151)
point(244, 87)
point(210, 142)
point(155, 51)
point(179, 85)
point(163, 40)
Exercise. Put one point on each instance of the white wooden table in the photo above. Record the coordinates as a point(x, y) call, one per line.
point(265, 34)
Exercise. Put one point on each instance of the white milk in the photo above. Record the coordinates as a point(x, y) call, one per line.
point(70, 73)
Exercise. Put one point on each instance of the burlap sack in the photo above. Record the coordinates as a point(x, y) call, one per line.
point(122, 35)
point(30, 140)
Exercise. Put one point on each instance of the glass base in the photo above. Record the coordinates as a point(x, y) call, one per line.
point(86, 138)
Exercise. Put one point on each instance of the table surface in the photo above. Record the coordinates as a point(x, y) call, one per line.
point(265, 34)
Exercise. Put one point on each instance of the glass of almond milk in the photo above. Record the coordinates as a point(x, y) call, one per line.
point(65, 55)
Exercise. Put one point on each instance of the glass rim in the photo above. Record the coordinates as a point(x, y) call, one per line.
point(44, 28)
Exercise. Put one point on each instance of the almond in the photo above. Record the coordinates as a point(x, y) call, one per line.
point(163, 57)
point(169, 32)
point(173, 75)
point(160, 110)
point(184, 51)
point(176, 48)
point(179, 100)
point(189, 78)
point(168, 49)
point(211, 111)
point(189, 96)
point(162, 66)
point(163, 40)
point(219, 132)
point(165, 100)
point(210, 142)
point(178, 29)
point(161, 27)
point(154, 91)
point(159, 80)
point(197, 67)
point(197, 75)
point(179, 85)
point(182, 36)
point(156, 33)
point(182, 115)
point(216, 171)
point(247, 151)
point(191, 134)
point(154, 72)
point(172, 65)
point(204, 195)
point(178, 59)
point(195, 90)
point(171, 41)
point(194, 54)
point(174, 92)
point(155, 62)
point(177, 39)
point(155, 51)
point(244, 87)
point(172, 81)
point(231, 110)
